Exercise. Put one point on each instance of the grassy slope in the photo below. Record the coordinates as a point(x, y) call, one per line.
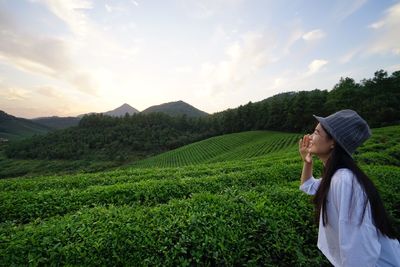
point(231, 212)
point(10, 168)
point(221, 148)
point(20, 128)
point(228, 147)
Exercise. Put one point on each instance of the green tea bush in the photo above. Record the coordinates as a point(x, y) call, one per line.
point(377, 158)
point(244, 210)
point(247, 228)
point(26, 206)
point(394, 152)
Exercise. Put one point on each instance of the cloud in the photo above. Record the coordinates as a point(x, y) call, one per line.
point(39, 101)
point(83, 81)
point(36, 54)
point(203, 9)
point(219, 35)
point(393, 68)
point(14, 94)
point(377, 25)
point(49, 92)
point(295, 35)
point(386, 33)
point(71, 12)
point(92, 46)
point(40, 55)
point(315, 66)
point(113, 8)
point(346, 8)
point(279, 81)
point(314, 35)
point(108, 8)
point(243, 58)
point(183, 69)
point(349, 55)
point(23, 111)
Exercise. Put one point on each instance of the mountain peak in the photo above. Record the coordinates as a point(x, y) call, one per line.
point(121, 111)
point(176, 108)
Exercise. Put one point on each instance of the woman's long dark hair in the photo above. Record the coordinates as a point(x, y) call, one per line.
point(340, 159)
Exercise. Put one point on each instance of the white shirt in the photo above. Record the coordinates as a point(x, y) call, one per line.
point(343, 240)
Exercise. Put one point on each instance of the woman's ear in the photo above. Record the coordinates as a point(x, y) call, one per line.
point(332, 146)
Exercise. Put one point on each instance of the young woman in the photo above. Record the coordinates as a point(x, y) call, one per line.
point(354, 229)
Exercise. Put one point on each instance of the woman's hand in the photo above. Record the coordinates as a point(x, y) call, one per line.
point(304, 149)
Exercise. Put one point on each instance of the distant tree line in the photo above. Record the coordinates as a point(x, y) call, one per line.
point(111, 138)
point(140, 135)
point(377, 100)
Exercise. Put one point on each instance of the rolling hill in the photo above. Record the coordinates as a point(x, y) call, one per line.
point(57, 122)
point(12, 128)
point(176, 108)
point(236, 146)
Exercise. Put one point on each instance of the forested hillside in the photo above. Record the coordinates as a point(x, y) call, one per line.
point(13, 128)
point(142, 135)
point(177, 108)
point(376, 99)
point(57, 122)
point(104, 137)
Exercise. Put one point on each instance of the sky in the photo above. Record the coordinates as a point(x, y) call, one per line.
point(65, 58)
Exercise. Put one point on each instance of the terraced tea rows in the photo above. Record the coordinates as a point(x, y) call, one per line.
point(244, 211)
point(224, 148)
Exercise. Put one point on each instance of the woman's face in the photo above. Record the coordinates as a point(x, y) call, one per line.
point(321, 144)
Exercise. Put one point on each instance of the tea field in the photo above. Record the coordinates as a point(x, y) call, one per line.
point(224, 148)
point(231, 200)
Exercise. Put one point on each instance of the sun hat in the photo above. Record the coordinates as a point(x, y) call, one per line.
point(347, 128)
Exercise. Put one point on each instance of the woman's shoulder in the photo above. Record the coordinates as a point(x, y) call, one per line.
point(344, 183)
point(343, 175)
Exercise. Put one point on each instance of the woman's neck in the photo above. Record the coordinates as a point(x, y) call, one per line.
point(324, 158)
